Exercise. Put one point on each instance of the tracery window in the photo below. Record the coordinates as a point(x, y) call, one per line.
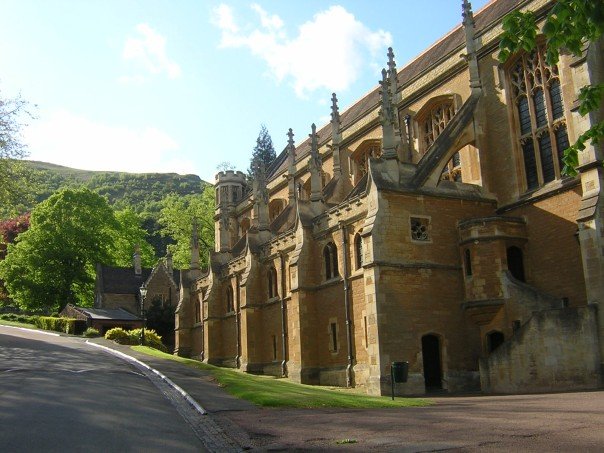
point(452, 171)
point(361, 156)
point(435, 120)
point(539, 112)
point(330, 258)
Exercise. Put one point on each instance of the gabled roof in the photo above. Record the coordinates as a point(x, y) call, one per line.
point(447, 45)
point(122, 280)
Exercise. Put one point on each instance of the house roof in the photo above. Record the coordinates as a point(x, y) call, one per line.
point(123, 280)
point(489, 14)
point(117, 314)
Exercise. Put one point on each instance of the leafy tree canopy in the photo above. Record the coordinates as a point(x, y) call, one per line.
point(53, 262)
point(177, 217)
point(15, 184)
point(263, 154)
point(569, 26)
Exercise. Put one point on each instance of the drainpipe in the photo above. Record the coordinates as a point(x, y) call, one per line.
point(346, 306)
point(283, 331)
point(203, 328)
point(238, 324)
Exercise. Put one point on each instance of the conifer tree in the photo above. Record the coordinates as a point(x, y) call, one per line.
point(263, 154)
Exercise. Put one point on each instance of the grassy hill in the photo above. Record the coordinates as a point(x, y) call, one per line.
point(143, 192)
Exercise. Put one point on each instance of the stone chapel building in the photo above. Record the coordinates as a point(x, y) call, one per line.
point(429, 223)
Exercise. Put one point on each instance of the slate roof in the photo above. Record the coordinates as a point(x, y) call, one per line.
point(490, 13)
point(122, 280)
point(118, 314)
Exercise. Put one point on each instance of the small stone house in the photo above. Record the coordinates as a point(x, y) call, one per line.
point(101, 319)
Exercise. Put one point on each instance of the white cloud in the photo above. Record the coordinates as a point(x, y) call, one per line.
point(149, 50)
point(329, 52)
point(67, 139)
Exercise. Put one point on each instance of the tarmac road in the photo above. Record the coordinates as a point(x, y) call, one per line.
point(59, 394)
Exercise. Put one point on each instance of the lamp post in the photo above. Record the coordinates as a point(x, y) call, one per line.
point(143, 291)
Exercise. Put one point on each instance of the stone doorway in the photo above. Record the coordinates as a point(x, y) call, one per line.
point(432, 363)
point(516, 263)
point(494, 340)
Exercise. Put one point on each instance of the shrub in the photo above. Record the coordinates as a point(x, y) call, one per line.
point(118, 335)
point(66, 325)
point(91, 332)
point(152, 339)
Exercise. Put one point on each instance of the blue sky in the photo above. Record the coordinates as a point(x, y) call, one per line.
point(181, 86)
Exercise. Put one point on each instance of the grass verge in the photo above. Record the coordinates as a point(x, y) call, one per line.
point(272, 392)
point(5, 322)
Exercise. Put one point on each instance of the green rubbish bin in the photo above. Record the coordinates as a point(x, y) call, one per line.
point(400, 371)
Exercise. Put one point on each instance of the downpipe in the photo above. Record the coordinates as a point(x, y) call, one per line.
point(347, 306)
point(283, 326)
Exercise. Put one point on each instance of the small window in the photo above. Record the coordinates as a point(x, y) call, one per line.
point(330, 258)
point(420, 229)
point(333, 333)
point(468, 262)
point(274, 337)
point(272, 283)
point(198, 311)
point(358, 251)
point(229, 300)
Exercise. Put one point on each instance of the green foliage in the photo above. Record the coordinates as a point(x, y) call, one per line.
point(118, 335)
point(14, 181)
point(569, 26)
point(160, 317)
point(263, 154)
point(53, 262)
point(25, 319)
point(152, 339)
point(91, 332)
point(177, 217)
point(132, 337)
point(66, 325)
point(127, 236)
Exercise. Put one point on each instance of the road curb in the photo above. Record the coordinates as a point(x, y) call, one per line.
point(42, 332)
point(163, 377)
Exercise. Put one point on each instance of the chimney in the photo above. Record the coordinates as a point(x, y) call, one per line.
point(136, 261)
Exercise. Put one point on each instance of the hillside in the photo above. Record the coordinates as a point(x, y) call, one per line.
point(142, 192)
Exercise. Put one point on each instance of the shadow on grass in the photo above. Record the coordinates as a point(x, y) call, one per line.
point(273, 392)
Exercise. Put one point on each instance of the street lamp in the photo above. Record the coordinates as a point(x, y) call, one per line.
point(143, 291)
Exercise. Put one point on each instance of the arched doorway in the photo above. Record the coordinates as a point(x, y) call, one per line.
point(494, 340)
point(432, 362)
point(516, 263)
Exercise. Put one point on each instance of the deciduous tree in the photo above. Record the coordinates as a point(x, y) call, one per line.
point(177, 217)
point(53, 262)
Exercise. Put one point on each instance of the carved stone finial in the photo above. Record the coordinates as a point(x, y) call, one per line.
point(392, 73)
point(315, 166)
point(335, 113)
point(290, 138)
point(386, 110)
point(468, 15)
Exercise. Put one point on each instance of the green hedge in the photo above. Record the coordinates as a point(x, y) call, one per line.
point(66, 325)
point(26, 319)
point(132, 337)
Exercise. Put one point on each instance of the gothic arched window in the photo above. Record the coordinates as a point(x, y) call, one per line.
point(230, 306)
point(433, 118)
point(272, 283)
point(358, 251)
point(539, 112)
point(330, 258)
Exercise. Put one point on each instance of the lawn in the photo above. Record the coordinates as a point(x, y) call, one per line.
point(274, 392)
